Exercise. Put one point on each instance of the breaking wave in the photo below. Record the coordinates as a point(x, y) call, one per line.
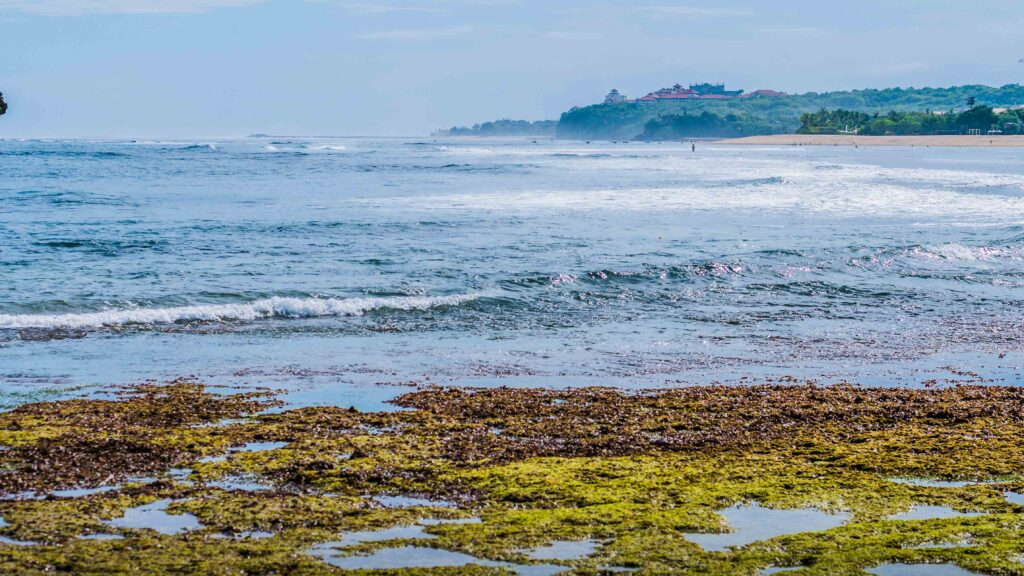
point(275, 307)
point(336, 148)
point(960, 252)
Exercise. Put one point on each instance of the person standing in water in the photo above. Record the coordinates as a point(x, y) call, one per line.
point(693, 146)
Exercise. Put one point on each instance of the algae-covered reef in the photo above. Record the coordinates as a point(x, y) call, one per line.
point(161, 479)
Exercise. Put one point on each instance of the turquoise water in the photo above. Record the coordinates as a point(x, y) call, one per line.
point(342, 271)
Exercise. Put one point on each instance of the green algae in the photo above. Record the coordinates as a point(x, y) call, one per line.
point(634, 472)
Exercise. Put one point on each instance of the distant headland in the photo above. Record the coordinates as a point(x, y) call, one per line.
point(706, 110)
point(504, 127)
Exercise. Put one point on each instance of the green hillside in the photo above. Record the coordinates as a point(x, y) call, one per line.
point(751, 116)
point(503, 127)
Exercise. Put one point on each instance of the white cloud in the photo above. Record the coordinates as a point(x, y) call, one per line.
point(415, 35)
point(897, 68)
point(80, 7)
point(692, 12)
point(568, 35)
point(798, 31)
point(368, 8)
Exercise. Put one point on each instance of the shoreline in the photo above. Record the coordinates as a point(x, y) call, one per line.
point(802, 475)
point(1016, 141)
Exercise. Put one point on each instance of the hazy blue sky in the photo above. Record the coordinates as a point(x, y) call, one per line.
point(146, 68)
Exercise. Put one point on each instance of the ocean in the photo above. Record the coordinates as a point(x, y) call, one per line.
point(344, 271)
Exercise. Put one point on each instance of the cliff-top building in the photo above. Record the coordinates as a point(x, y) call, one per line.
point(614, 97)
point(695, 91)
point(704, 91)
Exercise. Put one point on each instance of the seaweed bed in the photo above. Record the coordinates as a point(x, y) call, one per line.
point(501, 475)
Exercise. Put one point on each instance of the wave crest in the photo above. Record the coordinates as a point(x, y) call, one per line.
point(336, 147)
point(960, 252)
point(275, 307)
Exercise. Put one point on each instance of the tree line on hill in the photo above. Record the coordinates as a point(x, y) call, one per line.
point(504, 127)
point(889, 111)
point(975, 118)
point(703, 125)
point(762, 115)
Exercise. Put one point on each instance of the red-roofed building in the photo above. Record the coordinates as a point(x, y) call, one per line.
point(694, 92)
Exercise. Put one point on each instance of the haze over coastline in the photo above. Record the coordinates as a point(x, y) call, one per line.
point(232, 67)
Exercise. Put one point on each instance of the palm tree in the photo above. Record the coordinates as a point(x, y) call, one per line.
point(3, 105)
point(971, 101)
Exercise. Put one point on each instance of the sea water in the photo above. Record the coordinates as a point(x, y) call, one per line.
point(344, 271)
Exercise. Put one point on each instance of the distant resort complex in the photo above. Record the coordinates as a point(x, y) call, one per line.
point(703, 91)
point(710, 110)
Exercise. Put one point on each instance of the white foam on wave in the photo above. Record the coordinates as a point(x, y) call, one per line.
point(769, 184)
point(957, 251)
point(555, 153)
point(276, 307)
point(835, 199)
point(333, 147)
point(712, 169)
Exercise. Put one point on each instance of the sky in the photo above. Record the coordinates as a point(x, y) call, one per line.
point(222, 68)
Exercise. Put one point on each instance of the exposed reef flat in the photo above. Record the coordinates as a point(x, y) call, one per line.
point(855, 140)
point(174, 479)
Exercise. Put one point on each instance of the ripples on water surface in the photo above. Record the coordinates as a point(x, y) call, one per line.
point(330, 266)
